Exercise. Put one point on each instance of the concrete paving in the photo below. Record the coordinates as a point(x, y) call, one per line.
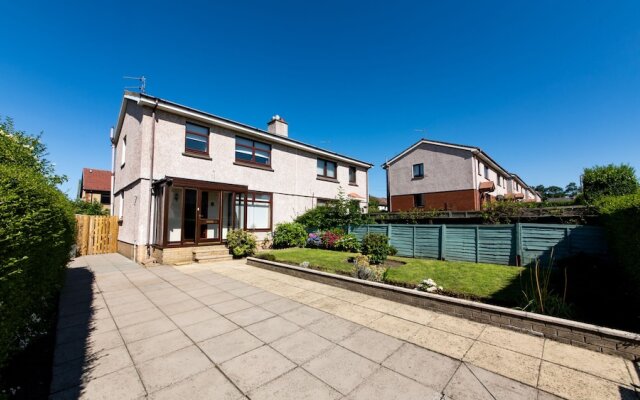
point(232, 331)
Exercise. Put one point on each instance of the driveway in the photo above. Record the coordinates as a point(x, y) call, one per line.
point(232, 331)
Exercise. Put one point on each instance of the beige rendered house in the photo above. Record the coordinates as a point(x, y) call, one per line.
point(184, 178)
point(446, 176)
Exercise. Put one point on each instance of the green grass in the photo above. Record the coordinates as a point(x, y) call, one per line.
point(486, 282)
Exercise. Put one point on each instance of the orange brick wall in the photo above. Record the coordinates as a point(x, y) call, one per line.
point(457, 200)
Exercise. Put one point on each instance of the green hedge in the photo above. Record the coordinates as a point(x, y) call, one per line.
point(37, 230)
point(621, 217)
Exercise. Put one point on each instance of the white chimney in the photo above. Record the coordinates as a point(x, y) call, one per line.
point(278, 126)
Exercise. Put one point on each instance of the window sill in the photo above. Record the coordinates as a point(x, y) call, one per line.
point(251, 165)
point(353, 184)
point(417, 178)
point(324, 178)
point(195, 155)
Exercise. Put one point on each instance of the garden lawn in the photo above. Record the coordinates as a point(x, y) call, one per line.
point(487, 282)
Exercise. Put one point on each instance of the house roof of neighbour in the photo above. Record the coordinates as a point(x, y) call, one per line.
point(175, 108)
point(473, 149)
point(97, 180)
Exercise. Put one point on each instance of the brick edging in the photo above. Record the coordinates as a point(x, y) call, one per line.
point(604, 340)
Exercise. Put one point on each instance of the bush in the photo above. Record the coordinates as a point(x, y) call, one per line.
point(348, 242)
point(89, 208)
point(290, 234)
point(364, 270)
point(341, 212)
point(329, 240)
point(37, 230)
point(314, 240)
point(608, 180)
point(241, 243)
point(376, 246)
point(621, 218)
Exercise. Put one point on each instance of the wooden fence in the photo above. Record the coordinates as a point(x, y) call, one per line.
point(96, 235)
point(517, 244)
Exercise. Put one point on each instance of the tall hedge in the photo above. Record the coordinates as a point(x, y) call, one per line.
point(621, 217)
point(37, 230)
point(608, 180)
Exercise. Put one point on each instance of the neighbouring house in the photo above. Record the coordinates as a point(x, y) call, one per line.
point(446, 176)
point(184, 178)
point(95, 185)
point(382, 203)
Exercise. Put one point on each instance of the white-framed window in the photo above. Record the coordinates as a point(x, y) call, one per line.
point(123, 153)
point(486, 172)
point(121, 206)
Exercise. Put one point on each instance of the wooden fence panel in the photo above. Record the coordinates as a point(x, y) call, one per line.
point(96, 235)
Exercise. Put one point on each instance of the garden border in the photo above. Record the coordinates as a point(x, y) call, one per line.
point(604, 340)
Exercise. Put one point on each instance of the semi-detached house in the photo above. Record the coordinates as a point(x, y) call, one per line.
point(446, 176)
point(183, 178)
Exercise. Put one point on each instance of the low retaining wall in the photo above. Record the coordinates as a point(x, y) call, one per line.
point(596, 338)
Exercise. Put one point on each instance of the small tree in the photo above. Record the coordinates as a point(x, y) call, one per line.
point(339, 213)
point(608, 180)
point(89, 208)
point(374, 204)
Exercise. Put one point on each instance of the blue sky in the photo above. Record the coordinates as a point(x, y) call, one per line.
point(545, 87)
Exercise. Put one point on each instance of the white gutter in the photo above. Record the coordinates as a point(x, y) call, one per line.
point(113, 171)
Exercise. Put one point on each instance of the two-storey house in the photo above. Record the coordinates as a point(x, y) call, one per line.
point(95, 185)
point(446, 176)
point(184, 178)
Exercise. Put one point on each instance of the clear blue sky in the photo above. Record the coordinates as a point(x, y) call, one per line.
point(545, 87)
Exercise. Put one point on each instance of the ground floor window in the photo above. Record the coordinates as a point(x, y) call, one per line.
point(259, 211)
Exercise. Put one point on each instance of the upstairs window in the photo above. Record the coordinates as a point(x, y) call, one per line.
point(105, 198)
point(196, 139)
point(251, 151)
point(352, 175)
point(326, 169)
point(486, 172)
point(479, 168)
point(418, 170)
point(499, 180)
point(418, 200)
point(123, 155)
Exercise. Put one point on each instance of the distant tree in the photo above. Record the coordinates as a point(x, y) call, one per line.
point(541, 189)
point(609, 180)
point(552, 192)
point(571, 190)
point(374, 204)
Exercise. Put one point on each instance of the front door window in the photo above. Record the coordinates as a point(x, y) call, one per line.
point(190, 211)
point(209, 215)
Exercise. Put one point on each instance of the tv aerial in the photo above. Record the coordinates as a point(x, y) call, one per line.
point(143, 83)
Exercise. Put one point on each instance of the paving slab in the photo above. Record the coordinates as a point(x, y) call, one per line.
point(171, 368)
point(229, 345)
point(426, 367)
point(297, 384)
point(386, 384)
point(372, 344)
point(301, 346)
point(208, 385)
point(256, 367)
point(272, 329)
point(341, 369)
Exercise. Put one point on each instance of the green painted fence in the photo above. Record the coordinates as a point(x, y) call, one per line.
point(496, 244)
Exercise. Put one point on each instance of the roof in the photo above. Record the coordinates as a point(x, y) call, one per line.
point(175, 108)
point(487, 186)
point(97, 180)
point(354, 195)
point(473, 149)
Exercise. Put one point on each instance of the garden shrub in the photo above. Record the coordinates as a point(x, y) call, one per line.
point(363, 269)
point(621, 218)
point(348, 242)
point(314, 241)
point(89, 208)
point(241, 243)
point(37, 230)
point(608, 180)
point(291, 234)
point(329, 240)
point(376, 246)
point(341, 212)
